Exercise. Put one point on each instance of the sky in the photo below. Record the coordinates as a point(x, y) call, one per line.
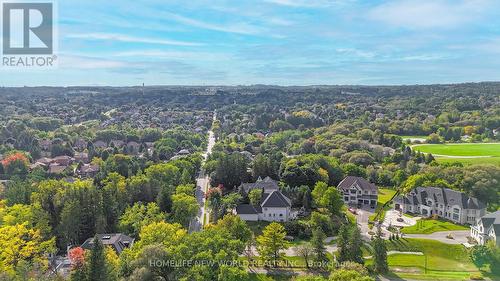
point(279, 42)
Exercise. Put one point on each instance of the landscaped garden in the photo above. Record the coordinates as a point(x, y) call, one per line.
point(427, 226)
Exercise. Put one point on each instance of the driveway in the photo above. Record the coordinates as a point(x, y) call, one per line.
point(362, 217)
point(392, 216)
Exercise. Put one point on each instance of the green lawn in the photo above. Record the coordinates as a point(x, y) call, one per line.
point(257, 226)
point(470, 161)
point(425, 226)
point(461, 149)
point(439, 262)
point(384, 195)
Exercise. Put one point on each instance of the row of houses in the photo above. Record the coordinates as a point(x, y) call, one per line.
point(275, 206)
point(61, 164)
point(426, 202)
point(81, 145)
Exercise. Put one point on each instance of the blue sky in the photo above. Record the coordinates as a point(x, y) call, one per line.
point(285, 42)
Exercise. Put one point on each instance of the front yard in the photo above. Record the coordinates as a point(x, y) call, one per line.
point(428, 226)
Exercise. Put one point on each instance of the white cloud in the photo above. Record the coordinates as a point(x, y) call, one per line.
point(239, 28)
point(308, 3)
point(130, 39)
point(421, 14)
point(82, 62)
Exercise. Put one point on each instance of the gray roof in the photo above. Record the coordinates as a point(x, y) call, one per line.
point(266, 184)
point(492, 219)
point(118, 241)
point(247, 209)
point(349, 181)
point(443, 196)
point(276, 199)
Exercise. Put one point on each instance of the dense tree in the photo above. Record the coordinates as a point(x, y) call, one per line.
point(184, 208)
point(139, 215)
point(380, 253)
point(271, 243)
point(318, 245)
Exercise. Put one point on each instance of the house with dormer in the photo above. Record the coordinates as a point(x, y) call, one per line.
point(358, 191)
point(273, 206)
point(446, 203)
point(487, 228)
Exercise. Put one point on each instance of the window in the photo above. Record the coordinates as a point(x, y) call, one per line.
point(281, 215)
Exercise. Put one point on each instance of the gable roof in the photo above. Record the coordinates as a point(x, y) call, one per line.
point(491, 219)
point(247, 209)
point(118, 241)
point(267, 184)
point(276, 199)
point(349, 181)
point(444, 196)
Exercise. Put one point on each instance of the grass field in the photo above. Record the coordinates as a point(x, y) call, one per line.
point(384, 195)
point(439, 262)
point(430, 226)
point(465, 153)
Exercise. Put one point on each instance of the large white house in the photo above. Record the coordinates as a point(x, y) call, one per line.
point(274, 205)
point(358, 191)
point(446, 203)
point(487, 229)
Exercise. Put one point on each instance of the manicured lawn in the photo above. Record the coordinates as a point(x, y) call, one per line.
point(384, 195)
point(440, 256)
point(461, 149)
point(444, 261)
point(470, 161)
point(424, 226)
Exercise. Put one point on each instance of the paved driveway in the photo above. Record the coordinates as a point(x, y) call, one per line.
point(392, 216)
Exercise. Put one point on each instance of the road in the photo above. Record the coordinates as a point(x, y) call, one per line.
point(202, 184)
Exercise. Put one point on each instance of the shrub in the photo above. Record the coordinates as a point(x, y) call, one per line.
point(476, 276)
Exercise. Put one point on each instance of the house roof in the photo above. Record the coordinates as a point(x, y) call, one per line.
point(276, 199)
point(247, 209)
point(266, 184)
point(492, 219)
point(56, 169)
point(444, 196)
point(117, 241)
point(349, 181)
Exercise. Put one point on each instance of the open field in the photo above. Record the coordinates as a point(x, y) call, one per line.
point(424, 226)
point(465, 153)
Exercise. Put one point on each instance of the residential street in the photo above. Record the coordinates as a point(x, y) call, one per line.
point(202, 184)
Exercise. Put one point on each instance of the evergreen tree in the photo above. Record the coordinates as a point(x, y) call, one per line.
point(380, 253)
point(343, 244)
point(318, 245)
point(97, 263)
point(355, 242)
